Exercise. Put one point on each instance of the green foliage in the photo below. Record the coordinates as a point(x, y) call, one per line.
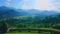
point(32, 21)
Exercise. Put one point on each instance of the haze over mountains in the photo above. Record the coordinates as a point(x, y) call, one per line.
point(12, 12)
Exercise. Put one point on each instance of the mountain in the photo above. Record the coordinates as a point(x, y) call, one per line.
point(23, 16)
point(42, 13)
point(9, 12)
point(12, 12)
point(33, 11)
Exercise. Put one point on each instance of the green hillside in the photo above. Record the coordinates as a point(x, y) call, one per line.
point(51, 22)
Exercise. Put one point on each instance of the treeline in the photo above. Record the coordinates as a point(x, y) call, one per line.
point(33, 22)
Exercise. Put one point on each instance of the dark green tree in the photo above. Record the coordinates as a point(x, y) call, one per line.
point(3, 28)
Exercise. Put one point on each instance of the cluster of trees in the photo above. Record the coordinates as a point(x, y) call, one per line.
point(33, 22)
point(3, 28)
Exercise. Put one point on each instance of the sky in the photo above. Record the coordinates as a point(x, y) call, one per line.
point(32, 4)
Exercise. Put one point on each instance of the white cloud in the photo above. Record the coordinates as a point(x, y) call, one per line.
point(24, 6)
point(25, 0)
point(38, 4)
point(56, 4)
point(8, 2)
point(43, 4)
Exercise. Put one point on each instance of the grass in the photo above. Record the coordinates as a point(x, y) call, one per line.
point(28, 33)
point(24, 32)
point(21, 33)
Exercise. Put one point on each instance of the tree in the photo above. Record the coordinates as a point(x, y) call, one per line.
point(4, 28)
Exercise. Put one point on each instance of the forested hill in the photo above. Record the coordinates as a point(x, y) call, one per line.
point(13, 16)
point(21, 18)
point(12, 12)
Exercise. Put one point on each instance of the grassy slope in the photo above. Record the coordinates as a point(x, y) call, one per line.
point(35, 32)
point(29, 33)
point(21, 33)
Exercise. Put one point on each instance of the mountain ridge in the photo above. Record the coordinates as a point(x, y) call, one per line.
point(12, 12)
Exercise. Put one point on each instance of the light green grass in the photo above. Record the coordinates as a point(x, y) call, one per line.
point(28, 33)
point(21, 33)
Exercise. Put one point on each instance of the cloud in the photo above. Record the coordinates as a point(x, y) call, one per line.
point(43, 5)
point(38, 4)
point(25, 0)
point(8, 2)
point(56, 4)
point(25, 4)
point(35, 4)
point(24, 7)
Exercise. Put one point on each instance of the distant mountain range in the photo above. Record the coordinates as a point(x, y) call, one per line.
point(9, 12)
point(12, 12)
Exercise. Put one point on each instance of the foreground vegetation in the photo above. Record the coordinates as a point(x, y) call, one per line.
point(29, 22)
point(28, 33)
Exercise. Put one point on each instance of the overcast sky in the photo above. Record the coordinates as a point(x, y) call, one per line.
point(32, 4)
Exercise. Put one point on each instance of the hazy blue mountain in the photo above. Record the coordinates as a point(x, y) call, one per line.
point(42, 13)
point(12, 12)
point(8, 12)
